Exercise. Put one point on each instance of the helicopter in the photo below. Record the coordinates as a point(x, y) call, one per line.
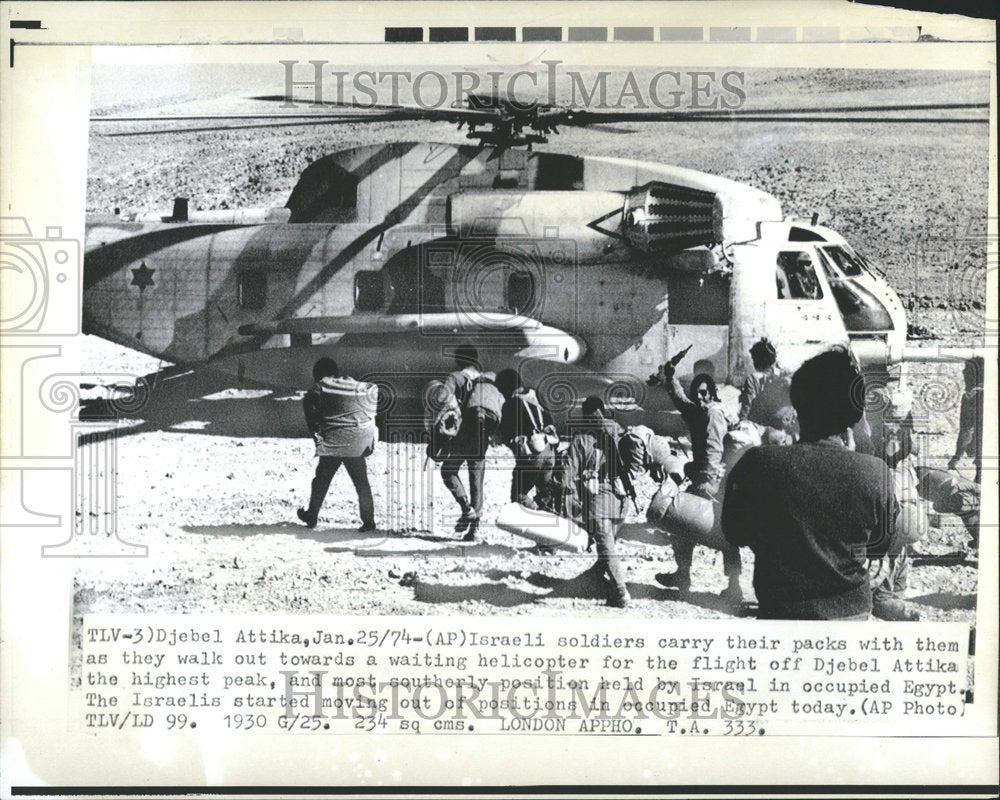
point(584, 273)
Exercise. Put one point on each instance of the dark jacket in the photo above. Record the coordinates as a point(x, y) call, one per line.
point(340, 414)
point(812, 513)
point(593, 454)
point(970, 424)
point(518, 420)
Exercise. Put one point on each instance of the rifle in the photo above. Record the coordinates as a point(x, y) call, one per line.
point(626, 478)
point(679, 356)
point(655, 379)
point(629, 489)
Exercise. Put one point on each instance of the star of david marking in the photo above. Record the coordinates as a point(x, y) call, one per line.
point(142, 277)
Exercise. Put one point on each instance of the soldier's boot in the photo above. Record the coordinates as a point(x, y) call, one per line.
point(895, 610)
point(473, 530)
point(732, 595)
point(683, 555)
point(619, 597)
point(469, 515)
point(679, 579)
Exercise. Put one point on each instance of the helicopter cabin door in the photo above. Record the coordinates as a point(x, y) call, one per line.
point(801, 314)
point(781, 292)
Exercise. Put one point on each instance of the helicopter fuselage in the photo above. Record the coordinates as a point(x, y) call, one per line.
point(584, 273)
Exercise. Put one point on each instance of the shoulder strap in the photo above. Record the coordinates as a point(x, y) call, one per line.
point(533, 410)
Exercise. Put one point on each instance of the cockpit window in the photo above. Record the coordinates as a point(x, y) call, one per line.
point(796, 277)
point(797, 234)
point(827, 264)
point(847, 263)
point(861, 310)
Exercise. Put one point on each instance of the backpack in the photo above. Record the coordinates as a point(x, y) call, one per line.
point(532, 437)
point(463, 381)
point(442, 419)
point(949, 493)
point(772, 405)
point(485, 398)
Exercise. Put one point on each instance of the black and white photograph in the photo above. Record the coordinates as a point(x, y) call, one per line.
point(472, 307)
point(388, 386)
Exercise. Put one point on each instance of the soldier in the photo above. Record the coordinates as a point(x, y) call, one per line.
point(642, 451)
point(593, 493)
point(814, 512)
point(970, 420)
point(950, 493)
point(340, 414)
point(708, 422)
point(765, 398)
point(482, 405)
point(889, 575)
point(526, 428)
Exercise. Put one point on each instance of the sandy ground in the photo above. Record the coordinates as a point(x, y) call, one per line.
point(207, 485)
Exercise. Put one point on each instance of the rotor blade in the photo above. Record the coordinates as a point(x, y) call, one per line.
point(606, 128)
point(853, 109)
point(418, 112)
point(589, 118)
point(921, 120)
point(585, 117)
point(289, 123)
point(720, 112)
point(195, 117)
point(298, 101)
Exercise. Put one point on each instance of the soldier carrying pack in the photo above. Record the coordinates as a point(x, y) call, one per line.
point(442, 419)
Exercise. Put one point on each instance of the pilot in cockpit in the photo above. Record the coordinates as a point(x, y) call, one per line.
point(796, 278)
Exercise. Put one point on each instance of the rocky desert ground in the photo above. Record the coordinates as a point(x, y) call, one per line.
point(212, 492)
